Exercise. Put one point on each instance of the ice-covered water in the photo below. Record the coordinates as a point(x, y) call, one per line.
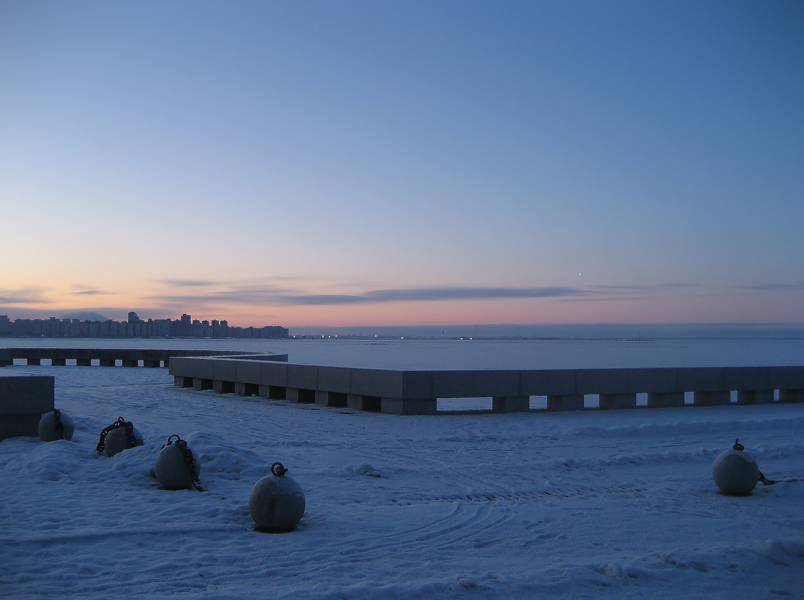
point(486, 354)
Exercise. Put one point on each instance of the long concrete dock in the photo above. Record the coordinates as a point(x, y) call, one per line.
point(110, 357)
point(417, 392)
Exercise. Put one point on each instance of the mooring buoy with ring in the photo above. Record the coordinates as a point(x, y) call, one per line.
point(276, 502)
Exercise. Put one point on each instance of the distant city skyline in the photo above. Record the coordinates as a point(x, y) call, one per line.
point(135, 327)
point(359, 164)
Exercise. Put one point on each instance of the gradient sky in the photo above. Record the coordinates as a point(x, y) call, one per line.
point(403, 163)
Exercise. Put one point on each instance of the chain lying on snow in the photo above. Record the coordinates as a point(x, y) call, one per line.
point(131, 441)
point(762, 478)
point(188, 459)
point(59, 424)
point(765, 480)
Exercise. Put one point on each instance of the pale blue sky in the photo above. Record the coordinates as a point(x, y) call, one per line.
point(385, 163)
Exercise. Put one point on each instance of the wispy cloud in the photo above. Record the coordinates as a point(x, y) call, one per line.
point(774, 287)
point(93, 293)
point(279, 296)
point(268, 295)
point(431, 294)
point(187, 282)
point(646, 288)
point(23, 296)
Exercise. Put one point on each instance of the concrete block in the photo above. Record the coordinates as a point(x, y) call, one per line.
point(711, 398)
point(701, 379)
point(601, 381)
point(377, 382)
point(247, 371)
point(303, 377)
point(754, 396)
point(83, 354)
point(335, 399)
point(334, 379)
point(272, 392)
point(472, 384)
point(417, 406)
point(665, 399)
point(181, 367)
point(653, 381)
point(417, 385)
point(200, 367)
point(19, 425)
point(300, 395)
point(565, 402)
point(224, 369)
point(616, 401)
point(23, 401)
point(274, 374)
point(788, 396)
point(786, 378)
point(746, 378)
point(26, 395)
point(392, 384)
point(223, 387)
point(510, 404)
point(203, 384)
point(247, 389)
point(370, 403)
point(553, 382)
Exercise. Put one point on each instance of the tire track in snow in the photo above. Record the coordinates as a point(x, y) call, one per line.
point(528, 495)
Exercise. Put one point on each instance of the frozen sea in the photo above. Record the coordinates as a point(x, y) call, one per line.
point(485, 354)
point(588, 504)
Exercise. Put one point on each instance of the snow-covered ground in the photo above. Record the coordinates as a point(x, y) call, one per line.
point(592, 504)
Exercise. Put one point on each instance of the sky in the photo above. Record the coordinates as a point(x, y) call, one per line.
point(403, 163)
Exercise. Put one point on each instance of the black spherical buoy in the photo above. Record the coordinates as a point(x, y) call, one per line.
point(276, 502)
point(55, 425)
point(735, 471)
point(176, 466)
point(117, 437)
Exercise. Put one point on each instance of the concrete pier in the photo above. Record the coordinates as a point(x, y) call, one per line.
point(418, 392)
point(108, 357)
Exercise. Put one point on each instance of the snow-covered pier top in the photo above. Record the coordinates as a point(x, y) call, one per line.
point(417, 392)
point(110, 357)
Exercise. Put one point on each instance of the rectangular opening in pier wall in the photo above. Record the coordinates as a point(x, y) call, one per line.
point(538, 402)
point(447, 405)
